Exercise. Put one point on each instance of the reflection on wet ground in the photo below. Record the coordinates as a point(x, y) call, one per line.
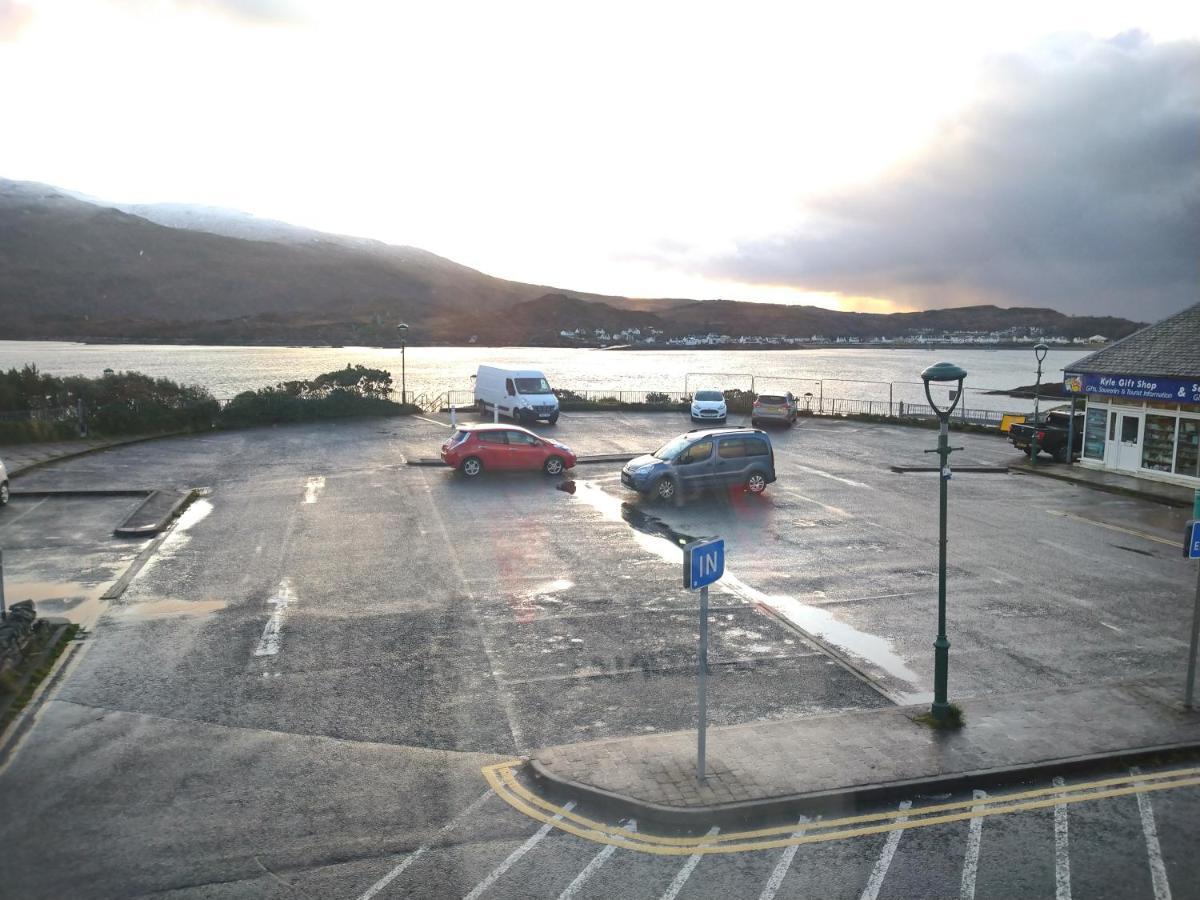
point(665, 541)
point(60, 552)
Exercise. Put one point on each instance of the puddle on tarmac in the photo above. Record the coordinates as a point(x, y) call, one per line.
point(552, 587)
point(79, 603)
point(313, 488)
point(159, 609)
point(826, 626)
point(177, 538)
point(660, 539)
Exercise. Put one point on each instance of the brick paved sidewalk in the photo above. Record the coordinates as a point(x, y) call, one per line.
point(760, 764)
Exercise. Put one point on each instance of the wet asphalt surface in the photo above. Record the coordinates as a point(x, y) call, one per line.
point(299, 687)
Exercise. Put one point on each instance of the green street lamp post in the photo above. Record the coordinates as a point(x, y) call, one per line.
point(942, 372)
point(403, 329)
point(1040, 352)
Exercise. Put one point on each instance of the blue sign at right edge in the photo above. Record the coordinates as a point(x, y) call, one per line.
point(1135, 387)
point(703, 563)
point(1194, 542)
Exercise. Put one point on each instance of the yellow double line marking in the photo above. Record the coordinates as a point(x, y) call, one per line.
point(502, 778)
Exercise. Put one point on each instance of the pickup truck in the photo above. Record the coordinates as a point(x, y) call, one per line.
point(1051, 434)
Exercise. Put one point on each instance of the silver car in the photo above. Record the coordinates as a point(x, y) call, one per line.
point(775, 408)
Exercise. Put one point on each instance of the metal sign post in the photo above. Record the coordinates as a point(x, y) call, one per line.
point(1193, 552)
point(703, 564)
point(702, 687)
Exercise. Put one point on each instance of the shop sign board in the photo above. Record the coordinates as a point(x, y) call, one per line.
point(1135, 387)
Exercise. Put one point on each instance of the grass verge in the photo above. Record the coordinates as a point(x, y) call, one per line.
point(43, 649)
point(955, 719)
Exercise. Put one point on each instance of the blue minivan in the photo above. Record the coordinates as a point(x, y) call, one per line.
point(704, 458)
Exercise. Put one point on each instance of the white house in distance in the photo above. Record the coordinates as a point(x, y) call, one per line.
point(1143, 401)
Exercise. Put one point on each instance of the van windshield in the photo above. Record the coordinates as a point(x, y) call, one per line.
point(532, 386)
point(668, 451)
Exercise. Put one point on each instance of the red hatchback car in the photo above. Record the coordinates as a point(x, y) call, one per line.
point(473, 448)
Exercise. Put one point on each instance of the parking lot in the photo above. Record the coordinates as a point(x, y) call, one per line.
point(313, 668)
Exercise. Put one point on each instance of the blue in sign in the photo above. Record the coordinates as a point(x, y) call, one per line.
point(1194, 541)
point(703, 563)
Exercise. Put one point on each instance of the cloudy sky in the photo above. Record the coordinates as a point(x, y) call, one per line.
point(855, 155)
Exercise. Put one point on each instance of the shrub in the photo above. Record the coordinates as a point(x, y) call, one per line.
point(352, 391)
point(114, 404)
point(739, 401)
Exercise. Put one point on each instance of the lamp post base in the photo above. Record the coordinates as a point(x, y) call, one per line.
point(941, 670)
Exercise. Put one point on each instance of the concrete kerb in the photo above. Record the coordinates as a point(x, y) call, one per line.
point(23, 721)
point(838, 800)
point(172, 511)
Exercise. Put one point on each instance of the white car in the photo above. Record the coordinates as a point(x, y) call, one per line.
point(4, 490)
point(709, 406)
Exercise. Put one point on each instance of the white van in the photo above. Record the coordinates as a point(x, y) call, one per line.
point(523, 395)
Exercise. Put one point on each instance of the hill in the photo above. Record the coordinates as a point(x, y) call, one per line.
point(74, 269)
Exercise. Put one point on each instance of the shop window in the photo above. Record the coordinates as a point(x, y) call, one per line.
point(1112, 426)
point(1093, 434)
point(1158, 447)
point(1187, 460)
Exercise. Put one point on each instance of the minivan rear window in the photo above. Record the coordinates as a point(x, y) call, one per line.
point(756, 447)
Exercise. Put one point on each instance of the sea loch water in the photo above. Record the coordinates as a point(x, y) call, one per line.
point(850, 373)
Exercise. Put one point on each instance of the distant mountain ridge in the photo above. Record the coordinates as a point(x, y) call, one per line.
point(75, 269)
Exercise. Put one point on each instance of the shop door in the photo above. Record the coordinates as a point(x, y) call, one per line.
point(1129, 442)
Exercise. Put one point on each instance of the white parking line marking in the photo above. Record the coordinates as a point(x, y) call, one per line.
point(871, 891)
point(836, 510)
point(313, 488)
point(781, 867)
point(590, 869)
point(517, 854)
point(1158, 871)
point(13, 522)
point(433, 422)
point(506, 695)
point(420, 851)
point(272, 636)
point(1062, 850)
point(812, 471)
point(971, 860)
point(685, 873)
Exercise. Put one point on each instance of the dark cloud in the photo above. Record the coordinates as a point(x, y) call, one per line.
point(14, 17)
point(1073, 182)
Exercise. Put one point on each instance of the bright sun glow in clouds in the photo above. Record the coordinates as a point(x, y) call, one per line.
point(608, 147)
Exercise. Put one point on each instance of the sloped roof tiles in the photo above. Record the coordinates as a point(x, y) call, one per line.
point(1168, 349)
